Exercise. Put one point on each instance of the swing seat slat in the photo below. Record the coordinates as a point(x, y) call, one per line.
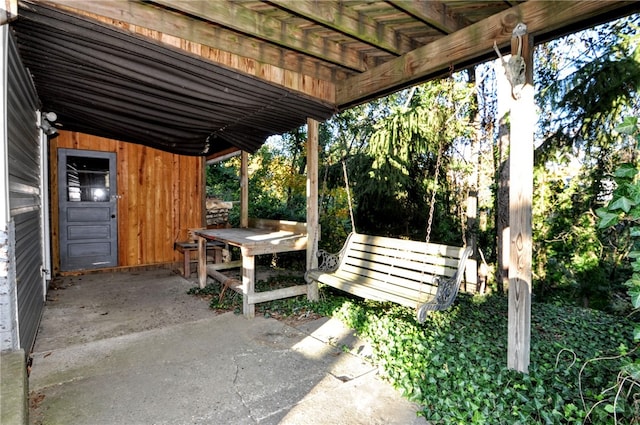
point(424, 276)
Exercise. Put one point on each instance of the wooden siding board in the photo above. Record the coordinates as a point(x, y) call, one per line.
point(131, 233)
point(160, 198)
point(175, 194)
point(122, 165)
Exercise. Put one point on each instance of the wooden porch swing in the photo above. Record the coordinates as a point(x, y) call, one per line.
point(420, 275)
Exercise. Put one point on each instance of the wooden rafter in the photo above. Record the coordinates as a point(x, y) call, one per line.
point(433, 13)
point(147, 16)
point(342, 52)
point(465, 45)
point(243, 20)
point(348, 21)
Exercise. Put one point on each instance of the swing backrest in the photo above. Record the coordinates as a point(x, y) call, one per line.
point(411, 264)
point(409, 273)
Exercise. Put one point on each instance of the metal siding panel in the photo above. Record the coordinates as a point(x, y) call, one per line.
point(28, 276)
point(24, 196)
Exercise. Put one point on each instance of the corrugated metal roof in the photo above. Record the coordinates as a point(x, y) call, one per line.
point(105, 82)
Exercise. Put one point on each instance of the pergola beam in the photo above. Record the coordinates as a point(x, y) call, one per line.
point(342, 19)
point(433, 13)
point(466, 45)
point(236, 17)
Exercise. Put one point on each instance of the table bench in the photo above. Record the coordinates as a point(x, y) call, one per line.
point(187, 248)
point(424, 276)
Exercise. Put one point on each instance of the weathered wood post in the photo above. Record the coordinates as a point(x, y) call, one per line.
point(520, 201)
point(471, 272)
point(502, 179)
point(244, 189)
point(312, 203)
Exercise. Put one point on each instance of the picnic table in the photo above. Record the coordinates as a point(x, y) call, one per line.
point(261, 237)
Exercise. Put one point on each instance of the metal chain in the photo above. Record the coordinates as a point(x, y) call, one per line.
point(433, 194)
point(346, 181)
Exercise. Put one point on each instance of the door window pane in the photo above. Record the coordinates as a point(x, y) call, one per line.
point(88, 179)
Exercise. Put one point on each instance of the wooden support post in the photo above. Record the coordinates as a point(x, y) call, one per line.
point(520, 215)
point(244, 189)
point(471, 271)
point(312, 203)
point(503, 88)
point(202, 262)
point(248, 285)
point(203, 193)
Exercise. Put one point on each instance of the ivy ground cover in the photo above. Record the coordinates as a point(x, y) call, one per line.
point(455, 364)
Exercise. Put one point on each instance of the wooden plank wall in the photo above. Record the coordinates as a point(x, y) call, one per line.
point(161, 198)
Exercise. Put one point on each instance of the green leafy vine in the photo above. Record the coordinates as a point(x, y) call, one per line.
point(622, 214)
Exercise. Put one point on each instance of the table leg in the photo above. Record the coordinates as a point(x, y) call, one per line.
point(248, 285)
point(217, 255)
point(186, 270)
point(202, 262)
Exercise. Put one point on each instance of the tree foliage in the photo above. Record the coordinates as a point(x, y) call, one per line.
point(587, 82)
point(410, 150)
point(622, 216)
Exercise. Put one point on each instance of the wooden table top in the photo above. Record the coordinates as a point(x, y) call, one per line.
point(254, 241)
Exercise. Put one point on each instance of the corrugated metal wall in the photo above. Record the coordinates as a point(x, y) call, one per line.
point(24, 195)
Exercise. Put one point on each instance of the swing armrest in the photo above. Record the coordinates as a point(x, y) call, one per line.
point(447, 290)
point(445, 294)
point(327, 261)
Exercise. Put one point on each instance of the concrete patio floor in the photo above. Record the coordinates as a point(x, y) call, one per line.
point(134, 348)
